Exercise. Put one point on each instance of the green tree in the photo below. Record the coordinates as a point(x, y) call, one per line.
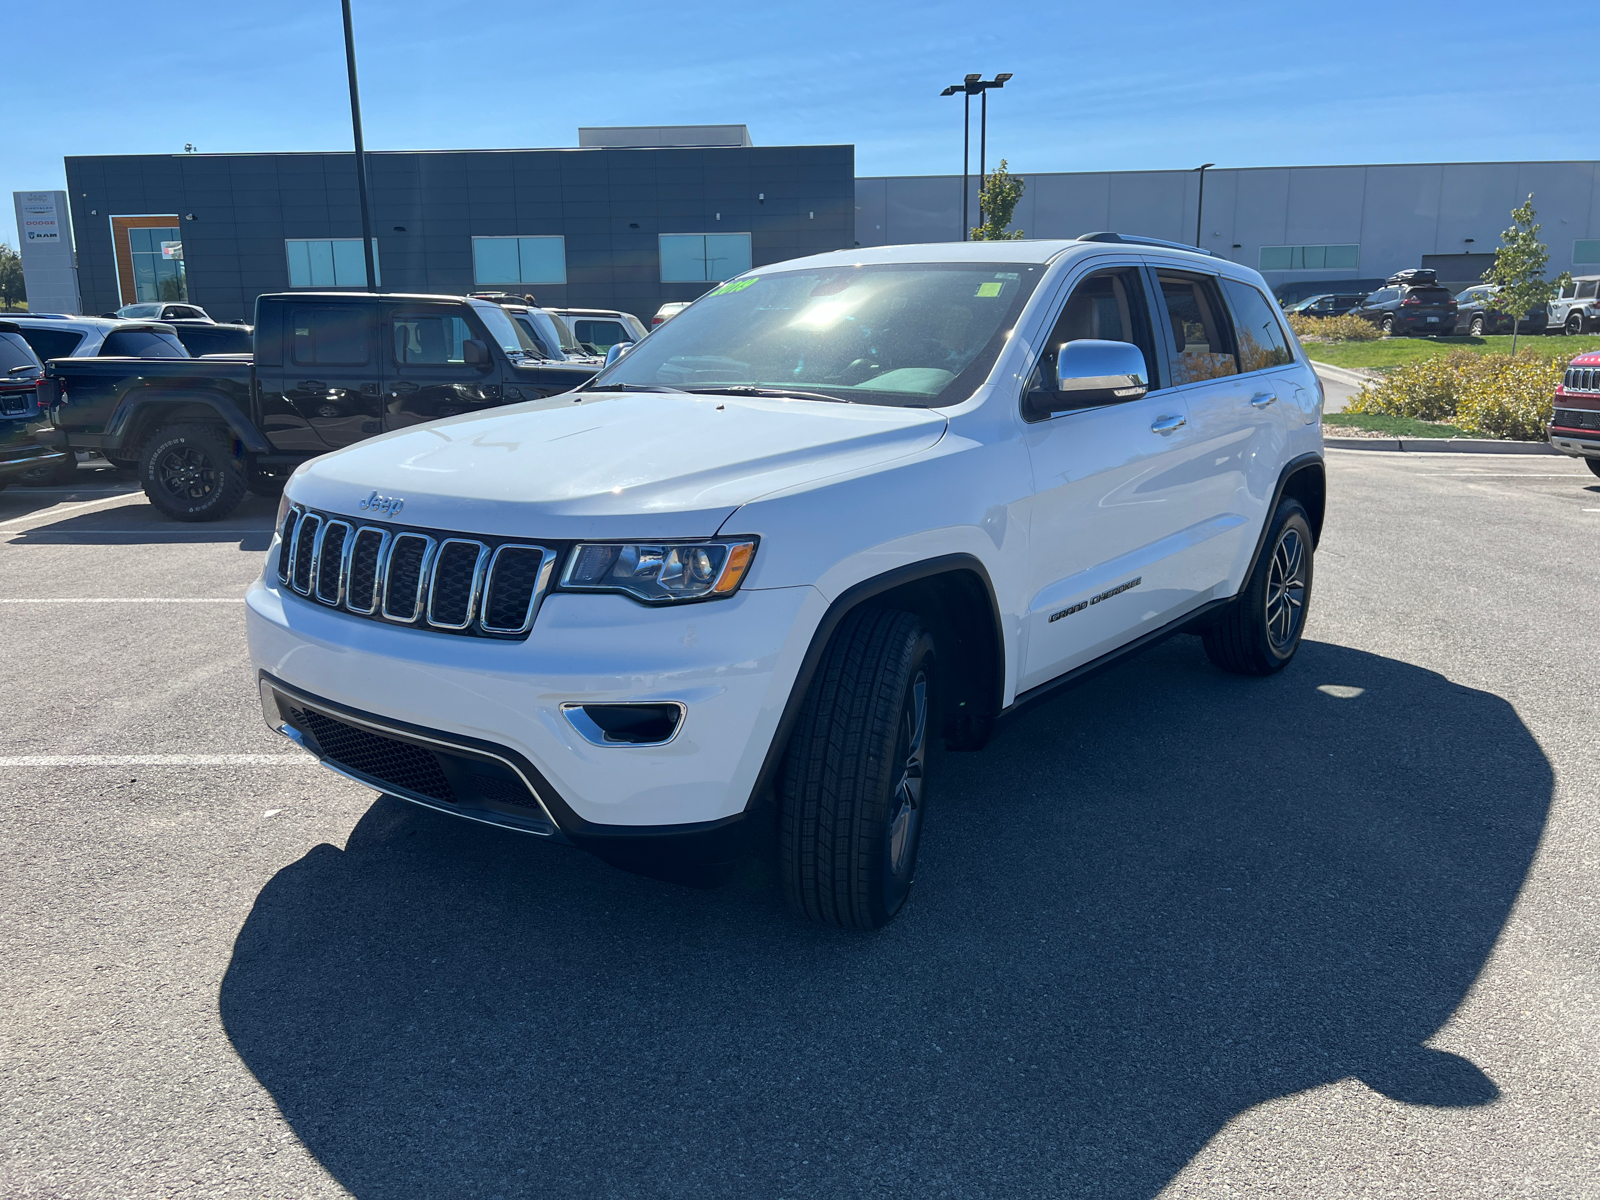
point(996, 203)
point(12, 289)
point(1519, 266)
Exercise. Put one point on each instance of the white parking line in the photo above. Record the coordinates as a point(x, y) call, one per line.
point(157, 760)
point(127, 600)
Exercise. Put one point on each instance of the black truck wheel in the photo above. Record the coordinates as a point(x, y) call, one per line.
point(1260, 631)
point(855, 770)
point(191, 473)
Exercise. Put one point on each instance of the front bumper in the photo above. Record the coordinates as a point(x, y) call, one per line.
point(1579, 443)
point(730, 663)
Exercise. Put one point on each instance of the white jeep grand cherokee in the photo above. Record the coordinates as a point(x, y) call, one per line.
point(726, 598)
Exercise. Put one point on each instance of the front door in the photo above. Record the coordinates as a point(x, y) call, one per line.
point(427, 373)
point(331, 369)
point(1116, 495)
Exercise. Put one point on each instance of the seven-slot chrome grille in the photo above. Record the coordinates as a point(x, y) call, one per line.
point(447, 582)
point(1582, 379)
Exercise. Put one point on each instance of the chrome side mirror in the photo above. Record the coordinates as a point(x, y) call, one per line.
point(1090, 373)
point(617, 351)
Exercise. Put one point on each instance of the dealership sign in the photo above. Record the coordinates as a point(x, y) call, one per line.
point(39, 219)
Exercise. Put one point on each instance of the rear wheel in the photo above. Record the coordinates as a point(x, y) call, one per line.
point(1388, 326)
point(191, 473)
point(1260, 633)
point(855, 772)
point(1476, 328)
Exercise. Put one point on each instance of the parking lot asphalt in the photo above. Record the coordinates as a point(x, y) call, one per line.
point(1175, 933)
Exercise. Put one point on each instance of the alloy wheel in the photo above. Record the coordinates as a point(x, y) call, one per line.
point(186, 472)
point(1286, 590)
point(905, 802)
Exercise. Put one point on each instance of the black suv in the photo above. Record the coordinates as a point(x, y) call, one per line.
point(1411, 302)
point(23, 460)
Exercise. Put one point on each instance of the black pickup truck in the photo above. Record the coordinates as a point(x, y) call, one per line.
point(329, 369)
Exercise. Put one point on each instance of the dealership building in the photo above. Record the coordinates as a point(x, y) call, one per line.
point(631, 218)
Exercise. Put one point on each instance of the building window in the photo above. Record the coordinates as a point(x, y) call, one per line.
point(1310, 258)
point(1586, 252)
point(703, 257)
point(519, 259)
point(149, 254)
point(330, 262)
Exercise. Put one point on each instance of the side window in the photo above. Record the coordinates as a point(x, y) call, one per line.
point(1200, 332)
point(430, 339)
point(1261, 340)
point(600, 334)
point(51, 343)
point(1586, 289)
point(1108, 306)
point(331, 336)
point(1567, 292)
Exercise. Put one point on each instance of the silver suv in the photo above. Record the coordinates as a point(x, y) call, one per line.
point(1577, 309)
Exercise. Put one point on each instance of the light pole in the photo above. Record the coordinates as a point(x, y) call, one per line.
point(968, 87)
point(361, 150)
point(1199, 205)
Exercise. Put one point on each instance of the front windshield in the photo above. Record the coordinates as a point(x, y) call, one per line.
point(568, 342)
point(504, 330)
point(917, 335)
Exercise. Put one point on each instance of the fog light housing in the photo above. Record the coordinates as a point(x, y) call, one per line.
point(650, 723)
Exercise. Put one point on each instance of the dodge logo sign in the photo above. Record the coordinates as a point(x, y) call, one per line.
point(389, 506)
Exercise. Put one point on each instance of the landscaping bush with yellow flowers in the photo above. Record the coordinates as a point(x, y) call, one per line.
point(1486, 395)
point(1343, 328)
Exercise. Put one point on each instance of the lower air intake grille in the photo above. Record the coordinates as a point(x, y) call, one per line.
point(400, 765)
point(1576, 418)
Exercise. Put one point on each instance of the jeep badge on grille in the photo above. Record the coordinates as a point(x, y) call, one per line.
point(389, 506)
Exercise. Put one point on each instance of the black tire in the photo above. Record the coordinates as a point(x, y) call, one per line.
point(60, 472)
point(853, 783)
point(1574, 325)
point(1261, 630)
point(1388, 326)
point(1593, 464)
point(1476, 328)
point(191, 473)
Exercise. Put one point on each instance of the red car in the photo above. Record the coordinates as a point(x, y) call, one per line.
point(1575, 425)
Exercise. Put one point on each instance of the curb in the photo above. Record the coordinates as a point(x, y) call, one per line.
point(1440, 445)
point(1345, 375)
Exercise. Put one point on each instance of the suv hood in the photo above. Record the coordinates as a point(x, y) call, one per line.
point(609, 464)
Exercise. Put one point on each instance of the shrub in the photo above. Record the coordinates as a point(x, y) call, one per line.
point(1343, 328)
point(1488, 395)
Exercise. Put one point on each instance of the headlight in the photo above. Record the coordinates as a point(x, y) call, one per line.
point(660, 572)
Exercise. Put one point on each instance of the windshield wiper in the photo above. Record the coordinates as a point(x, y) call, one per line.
point(745, 389)
point(633, 387)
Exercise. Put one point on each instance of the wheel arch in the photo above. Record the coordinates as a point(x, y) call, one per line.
point(1303, 479)
point(139, 416)
point(954, 597)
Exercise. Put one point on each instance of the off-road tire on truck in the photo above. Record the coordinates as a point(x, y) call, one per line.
point(191, 473)
point(1260, 632)
point(852, 786)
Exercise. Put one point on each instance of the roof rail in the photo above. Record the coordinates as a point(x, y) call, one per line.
point(1134, 239)
point(41, 316)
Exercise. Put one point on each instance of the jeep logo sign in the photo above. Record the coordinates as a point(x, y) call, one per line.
point(389, 506)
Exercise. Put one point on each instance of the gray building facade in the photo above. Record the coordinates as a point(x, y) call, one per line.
point(581, 227)
point(1300, 226)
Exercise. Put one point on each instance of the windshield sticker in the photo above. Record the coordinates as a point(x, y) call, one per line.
point(737, 285)
point(990, 289)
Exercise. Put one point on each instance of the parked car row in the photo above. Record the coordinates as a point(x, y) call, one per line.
point(1413, 302)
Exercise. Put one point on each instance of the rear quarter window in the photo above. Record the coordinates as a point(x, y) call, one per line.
point(51, 343)
point(141, 343)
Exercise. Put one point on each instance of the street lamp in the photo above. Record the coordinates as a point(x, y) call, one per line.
point(361, 150)
point(1200, 204)
point(968, 87)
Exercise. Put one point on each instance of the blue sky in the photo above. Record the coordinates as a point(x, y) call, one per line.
point(1145, 85)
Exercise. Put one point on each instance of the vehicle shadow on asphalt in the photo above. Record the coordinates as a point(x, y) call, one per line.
point(139, 524)
point(1151, 904)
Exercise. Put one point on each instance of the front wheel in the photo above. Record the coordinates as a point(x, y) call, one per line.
point(190, 473)
point(1260, 632)
point(853, 785)
point(1476, 328)
point(1574, 325)
point(1593, 464)
point(1388, 326)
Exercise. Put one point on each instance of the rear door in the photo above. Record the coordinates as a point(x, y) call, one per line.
point(427, 375)
point(331, 369)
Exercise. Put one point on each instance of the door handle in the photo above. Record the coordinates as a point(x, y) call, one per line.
point(311, 385)
point(403, 389)
point(1168, 424)
point(1262, 399)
